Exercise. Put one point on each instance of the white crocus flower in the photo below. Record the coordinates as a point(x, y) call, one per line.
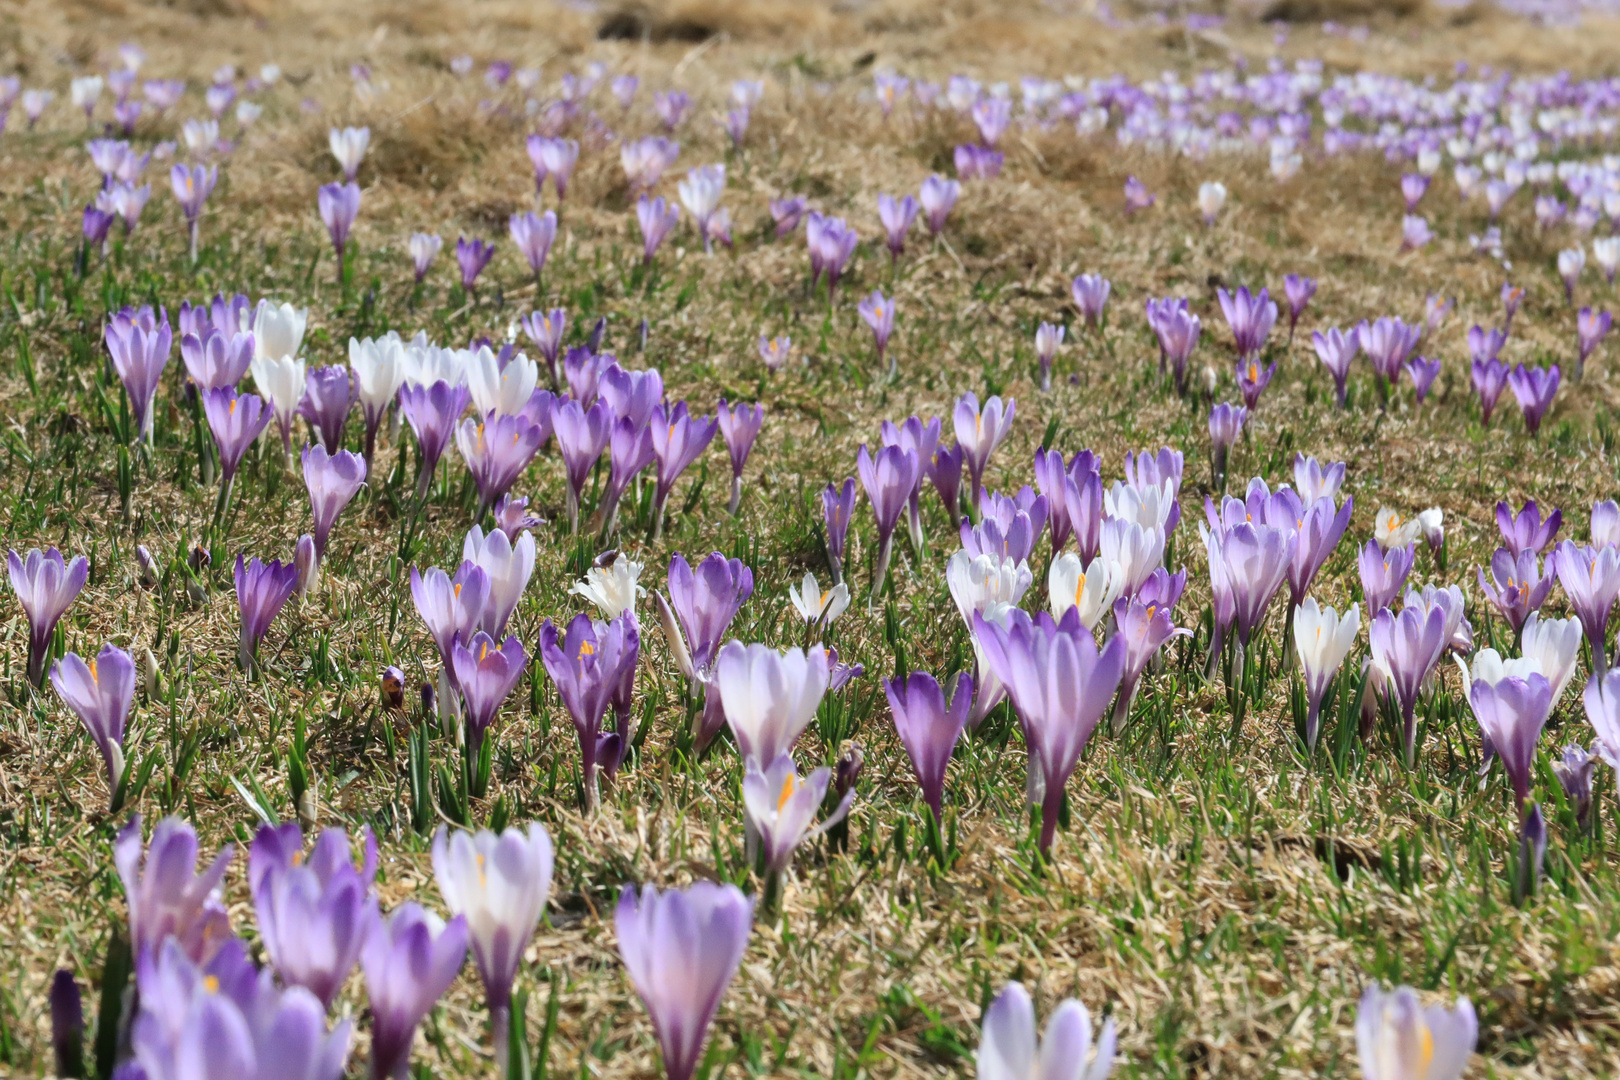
point(978, 582)
point(278, 330)
point(497, 389)
point(349, 147)
point(612, 585)
point(1392, 530)
point(813, 603)
point(1092, 588)
point(1554, 645)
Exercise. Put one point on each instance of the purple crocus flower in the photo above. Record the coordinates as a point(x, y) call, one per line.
point(678, 439)
point(1526, 530)
point(630, 450)
point(556, 158)
point(1534, 388)
point(582, 435)
point(216, 358)
point(1405, 649)
point(534, 234)
point(832, 243)
point(1250, 317)
point(167, 897)
point(1388, 342)
point(1590, 330)
point(1423, 372)
point(1320, 527)
point(332, 481)
point(485, 674)
point(583, 368)
point(1574, 771)
point(1336, 349)
point(837, 508)
point(46, 585)
point(896, 217)
point(512, 517)
point(1047, 340)
point(979, 431)
point(496, 452)
point(451, 608)
point(432, 412)
point(877, 311)
point(671, 106)
point(632, 395)
point(1060, 684)
point(1512, 297)
point(328, 398)
point(704, 601)
point(1516, 586)
point(236, 421)
point(1591, 579)
point(97, 224)
point(1384, 573)
point(944, 471)
point(100, 692)
point(139, 343)
point(929, 723)
point(1413, 187)
point(739, 427)
point(1255, 560)
point(923, 440)
point(339, 205)
point(1090, 292)
point(888, 479)
point(314, 913)
point(587, 664)
point(1252, 380)
point(424, 248)
point(1299, 289)
point(937, 196)
point(1484, 345)
point(1490, 378)
point(681, 949)
point(1225, 425)
point(1054, 478)
point(1415, 232)
point(192, 184)
point(472, 256)
point(261, 590)
point(657, 221)
point(409, 959)
point(545, 329)
point(1137, 196)
point(1146, 621)
point(1511, 713)
point(1178, 331)
point(787, 213)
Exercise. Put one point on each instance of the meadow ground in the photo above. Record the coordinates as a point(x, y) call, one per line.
point(1221, 898)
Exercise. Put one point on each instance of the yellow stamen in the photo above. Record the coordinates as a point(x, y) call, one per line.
point(211, 983)
point(587, 649)
point(1079, 588)
point(95, 677)
point(786, 793)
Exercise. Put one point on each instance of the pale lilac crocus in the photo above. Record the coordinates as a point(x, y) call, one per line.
point(770, 697)
point(929, 723)
point(314, 912)
point(485, 674)
point(1048, 339)
point(1397, 1038)
point(1384, 572)
point(472, 256)
point(450, 608)
point(1252, 380)
point(46, 585)
point(681, 949)
point(424, 248)
point(167, 897)
point(192, 184)
point(889, 479)
point(1591, 579)
point(546, 329)
point(739, 427)
point(409, 959)
point(100, 692)
point(1314, 481)
point(588, 662)
point(496, 452)
point(432, 411)
point(678, 439)
point(704, 602)
point(786, 213)
point(1060, 684)
point(1255, 560)
point(555, 158)
point(896, 216)
point(332, 481)
point(216, 358)
point(877, 311)
point(1405, 650)
point(1511, 702)
point(1145, 622)
point(1008, 1049)
point(262, 589)
point(1137, 196)
point(1534, 387)
point(582, 435)
point(509, 563)
point(139, 344)
point(838, 508)
point(1299, 289)
point(500, 884)
point(1225, 425)
point(1516, 586)
point(657, 221)
point(978, 432)
point(1590, 330)
point(1250, 317)
point(1336, 349)
point(1490, 378)
point(1527, 530)
point(780, 809)
point(1423, 372)
point(328, 399)
point(832, 244)
point(1090, 293)
point(937, 196)
point(236, 421)
point(1178, 331)
point(533, 234)
point(1388, 342)
point(339, 205)
point(1415, 232)
point(1320, 527)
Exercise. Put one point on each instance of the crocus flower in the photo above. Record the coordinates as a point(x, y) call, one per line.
point(1211, 198)
point(46, 585)
point(1534, 388)
point(770, 697)
point(1090, 292)
point(555, 158)
point(1252, 380)
point(1322, 639)
point(878, 312)
point(937, 196)
point(314, 913)
point(587, 664)
point(1398, 1038)
point(1090, 588)
point(1250, 317)
point(472, 256)
point(424, 248)
point(1511, 702)
point(496, 452)
point(981, 582)
point(1008, 1049)
point(1336, 350)
point(1490, 378)
point(1060, 684)
point(167, 897)
point(1320, 527)
point(348, 146)
point(1388, 342)
point(1137, 196)
point(1516, 586)
point(818, 606)
point(508, 563)
point(701, 193)
point(1048, 338)
point(929, 723)
point(499, 387)
point(739, 427)
point(500, 884)
point(451, 608)
point(657, 221)
point(1178, 331)
point(681, 949)
point(787, 213)
point(1590, 330)
point(612, 584)
point(339, 205)
point(485, 673)
point(139, 345)
point(1571, 261)
point(1225, 425)
point(1313, 481)
point(1383, 572)
point(1299, 289)
point(235, 420)
point(1255, 560)
point(781, 809)
point(979, 431)
point(409, 959)
point(1554, 645)
point(379, 371)
point(432, 411)
point(533, 236)
point(327, 401)
point(704, 602)
point(1423, 372)
point(896, 217)
point(332, 480)
point(1145, 623)
point(97, 224)
point(1526, 530)
point(582, 435)
point(261, 591)
point(545, 329)
point(1574, 771)
point(1405, 649)
point(216, 358)
point(678, 439)
point(838, 507)
point(889, 480)
point(100, 693)
point(192, 184)
point(832, 243)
